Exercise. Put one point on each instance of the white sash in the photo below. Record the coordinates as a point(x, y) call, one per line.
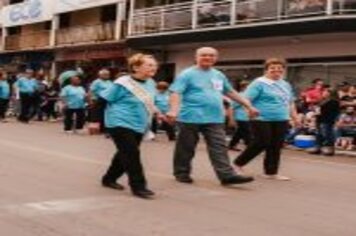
point(283, 93)
point(136, 89)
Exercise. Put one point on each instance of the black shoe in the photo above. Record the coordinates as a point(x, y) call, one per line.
point(238, 179)
point(184, 179)
point(113, 185)
point(143, 193)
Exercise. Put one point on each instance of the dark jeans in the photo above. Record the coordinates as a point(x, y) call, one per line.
point(325, 135)
point(127, 158)
point(26, 100)
point(49, 109)
point(187, 141)
point(242, 132)
point(164, 126)
point(69, 119)
point(268, 137)
point(4, 104)
point(36, 109)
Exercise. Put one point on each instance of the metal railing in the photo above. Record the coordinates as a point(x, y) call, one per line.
point(219, 13)
point(85, 34)
point(27, 41)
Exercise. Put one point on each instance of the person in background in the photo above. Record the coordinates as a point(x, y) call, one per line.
point(313, 95)
point(242, 121)
point(26, 88)
point(40, 85)
point(74, 99)
point(346, 129)
point(129, 107)
point(327, 115)
point(197, 102)
point(162, 103)
point(4, 96)
point(49, 106)
point(273, 96)
point(102, 83)
point(345, 94)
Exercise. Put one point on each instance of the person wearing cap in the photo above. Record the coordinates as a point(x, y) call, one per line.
point(197, 103)
point(4, 96)
point(162, 103)
point(102, 83)
point(26, 86)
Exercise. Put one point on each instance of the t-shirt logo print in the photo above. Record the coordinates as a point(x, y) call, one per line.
point(217, 84)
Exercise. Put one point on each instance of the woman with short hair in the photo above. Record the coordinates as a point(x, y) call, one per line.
point(129, 108)
point(274, 99)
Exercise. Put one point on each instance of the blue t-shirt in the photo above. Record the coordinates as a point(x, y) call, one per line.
point(201, 95)
point(99, 85)
point(271, 98)
point(4, 89)
point(124, 109)
point(26, 85)
point(240, 113)
point(74, 96)
point(162, 101)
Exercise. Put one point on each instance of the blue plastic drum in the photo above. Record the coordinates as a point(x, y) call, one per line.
point(305, 141)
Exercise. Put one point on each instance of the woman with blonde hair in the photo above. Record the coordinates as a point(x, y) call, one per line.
point(128, 112)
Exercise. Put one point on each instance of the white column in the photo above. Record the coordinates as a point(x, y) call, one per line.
point(329, 7)
point(54, 28)
point(3, 39)
point(120, 15)
point(233, 6)
point(131, 14)
point(195, 14)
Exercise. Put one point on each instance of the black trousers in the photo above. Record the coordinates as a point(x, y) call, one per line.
point(4, 104)
point(171, 134)
point(50, 109)
point(76, 116)
point(242, 132)
point(127, 158)
point(265, 136)
point(26, 100)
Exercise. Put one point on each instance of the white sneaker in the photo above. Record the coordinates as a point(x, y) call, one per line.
point(80, 131)
point(277, 177)
point(68, 132)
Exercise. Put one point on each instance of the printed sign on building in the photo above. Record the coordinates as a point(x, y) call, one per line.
point(73, 5)
point(28, 12)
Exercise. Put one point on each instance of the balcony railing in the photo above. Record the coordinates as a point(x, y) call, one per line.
point(86, 34)
point(198, 14)
point(27, 41)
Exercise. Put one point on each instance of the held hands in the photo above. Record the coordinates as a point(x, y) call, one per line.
point(171, 117)
point(252, 112)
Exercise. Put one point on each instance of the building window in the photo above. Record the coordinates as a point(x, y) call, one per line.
point(64, 20)
point(108, 13)
point(14, 30)
point(15, 1)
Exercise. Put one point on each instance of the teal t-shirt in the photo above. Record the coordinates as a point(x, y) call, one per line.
point(162, 101)
point(240, 113)
point(201, 95)
point(124, 109)
point(4, 89)
point(99, 85)
point(74, 96)
point(26, 85)
point(271, 98)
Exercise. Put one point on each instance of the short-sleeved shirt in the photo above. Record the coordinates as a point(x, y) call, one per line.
point(26, 85)
point(74, 96)
point(124, 109)
point(162, 101)
point(271, 98)
point(201, 95)
point(4, 89)
point(240, 113)
point(99, 85)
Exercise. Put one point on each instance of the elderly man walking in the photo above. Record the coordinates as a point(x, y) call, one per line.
point(197, 103)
